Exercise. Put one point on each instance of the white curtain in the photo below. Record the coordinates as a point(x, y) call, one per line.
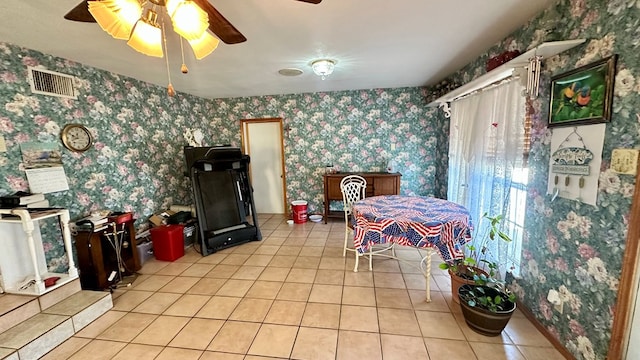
point(485, 146)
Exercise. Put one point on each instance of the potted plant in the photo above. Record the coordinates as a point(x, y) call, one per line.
point(475, 262)
point(487, 305)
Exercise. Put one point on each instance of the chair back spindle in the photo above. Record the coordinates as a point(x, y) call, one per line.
point(353, 189)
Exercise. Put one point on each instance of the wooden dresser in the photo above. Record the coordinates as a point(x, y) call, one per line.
point(378, 183)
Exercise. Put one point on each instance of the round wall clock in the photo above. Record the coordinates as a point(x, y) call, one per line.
point(76, 137)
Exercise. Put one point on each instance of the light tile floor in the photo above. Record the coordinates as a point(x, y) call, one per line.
point(293, 295)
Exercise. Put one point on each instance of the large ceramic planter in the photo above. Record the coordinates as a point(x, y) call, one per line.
point(457, 280)
point(483, 321)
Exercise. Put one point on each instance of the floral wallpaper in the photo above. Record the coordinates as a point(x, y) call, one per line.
point(353, 131)
point(137, 163)
point(573, 248)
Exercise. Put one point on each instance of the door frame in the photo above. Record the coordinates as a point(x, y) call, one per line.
point(628, 286)
point(244, 141)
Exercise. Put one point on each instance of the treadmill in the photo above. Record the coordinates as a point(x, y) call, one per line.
point(223, 197)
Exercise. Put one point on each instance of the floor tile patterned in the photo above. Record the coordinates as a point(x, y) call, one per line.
point(293, 296)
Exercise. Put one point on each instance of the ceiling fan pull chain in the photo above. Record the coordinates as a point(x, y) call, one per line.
point(184, 67)
point(170, 90)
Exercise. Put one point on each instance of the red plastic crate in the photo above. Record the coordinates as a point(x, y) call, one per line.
point(168, 242)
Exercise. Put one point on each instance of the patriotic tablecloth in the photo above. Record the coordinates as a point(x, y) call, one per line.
point(413, 221)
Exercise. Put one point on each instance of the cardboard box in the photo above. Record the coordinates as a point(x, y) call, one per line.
point(160, 218)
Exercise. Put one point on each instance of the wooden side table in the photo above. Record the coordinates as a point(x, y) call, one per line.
point(97, 257)
point(378, 183)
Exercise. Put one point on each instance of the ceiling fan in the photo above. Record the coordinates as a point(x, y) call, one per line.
point(218, 24)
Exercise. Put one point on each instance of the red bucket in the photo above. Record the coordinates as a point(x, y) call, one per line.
point(168, 242)
point(299, 209)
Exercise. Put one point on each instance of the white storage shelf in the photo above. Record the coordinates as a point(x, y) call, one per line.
point(22, 257)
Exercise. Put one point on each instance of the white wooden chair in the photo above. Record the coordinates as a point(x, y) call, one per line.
point(353, 188)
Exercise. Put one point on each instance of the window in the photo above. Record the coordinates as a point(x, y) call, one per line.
point(487, 164)
point(514, 219)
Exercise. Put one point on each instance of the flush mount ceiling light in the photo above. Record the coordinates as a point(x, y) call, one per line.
point(323, 67)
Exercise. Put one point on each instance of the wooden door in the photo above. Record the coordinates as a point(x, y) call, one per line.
point(625, 333)
point(262, 140)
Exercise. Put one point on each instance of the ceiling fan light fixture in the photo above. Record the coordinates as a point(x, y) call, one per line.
point(323, 67)
point(172, 5)
point(116, 17)
point(204, 45)
point(130, 10)
point(146, 36)
point(189, 20)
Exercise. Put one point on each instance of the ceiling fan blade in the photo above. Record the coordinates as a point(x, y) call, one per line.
point(312, 1)
point(80, 13)
point(219, 25)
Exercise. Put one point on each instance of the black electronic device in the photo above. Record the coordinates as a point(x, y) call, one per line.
point(223, 197)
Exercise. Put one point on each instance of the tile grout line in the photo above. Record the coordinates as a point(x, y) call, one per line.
point(293, 241)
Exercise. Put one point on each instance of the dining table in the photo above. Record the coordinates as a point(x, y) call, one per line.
point(436, 225)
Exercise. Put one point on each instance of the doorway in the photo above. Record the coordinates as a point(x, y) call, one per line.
point(625, 333)
point(262, 140)
point(633, 349)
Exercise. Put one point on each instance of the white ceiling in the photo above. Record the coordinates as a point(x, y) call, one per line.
point(376, 43)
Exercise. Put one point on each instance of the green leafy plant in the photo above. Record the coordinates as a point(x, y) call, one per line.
point(480, 296)
point(484, 290)
point(477, 253)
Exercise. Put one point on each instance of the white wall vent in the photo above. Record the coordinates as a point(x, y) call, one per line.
point(51, 83)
